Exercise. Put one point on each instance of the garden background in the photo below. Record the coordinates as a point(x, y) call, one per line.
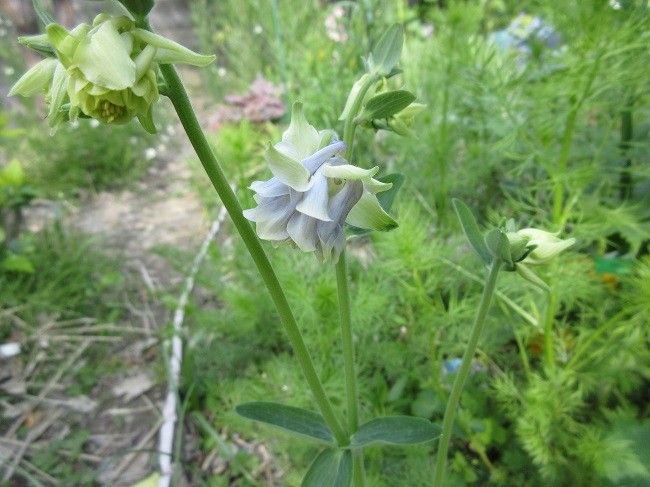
point(536, 110)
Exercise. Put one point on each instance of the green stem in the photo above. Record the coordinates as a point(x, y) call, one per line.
point(565, 148)
point(350, 125)
point(352, 394)
point(348, 347)
point(359, 473)
point(549, 347)
point(463, 372)
point(183, 107)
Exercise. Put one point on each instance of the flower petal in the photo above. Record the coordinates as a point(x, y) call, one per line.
point(270, 188)
point(301, 139)
point(103, 59)
point(65, 43)
point(267, 209)
point(313, 162)
point(289, 171)
point(349, 172)
point(302, 230)
point(170, 52)
point(143, 61)
point(36, 79)
point(57, 94)
point(369, 214)
point(314, 203)
point(374, 186)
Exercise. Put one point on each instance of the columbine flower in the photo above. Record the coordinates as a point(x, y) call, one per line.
point(107, 70)
point(314, 191)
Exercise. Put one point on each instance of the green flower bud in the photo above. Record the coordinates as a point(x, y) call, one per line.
point(402, 123)
point(543, 245)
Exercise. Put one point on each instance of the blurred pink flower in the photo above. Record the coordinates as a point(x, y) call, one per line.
point(261, 103)
point(334, 25)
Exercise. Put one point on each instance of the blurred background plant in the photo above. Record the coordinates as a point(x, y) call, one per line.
point(536, 111)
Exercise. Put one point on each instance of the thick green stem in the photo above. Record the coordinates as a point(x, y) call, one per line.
point(181, 102)
point(463, 372)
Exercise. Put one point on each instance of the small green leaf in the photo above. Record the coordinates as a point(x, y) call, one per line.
point(472, 232)
point(331, 468)
point(388, 50)
point(289, 418)
point(395, 430)
point(499, 246)
point(387, 104)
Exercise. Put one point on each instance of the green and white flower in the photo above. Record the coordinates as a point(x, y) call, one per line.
point(107, 70)
point(531, 246)
point(314, 191)
point(543, 245)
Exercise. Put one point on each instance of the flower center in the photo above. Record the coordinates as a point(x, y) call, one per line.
point(110, 111)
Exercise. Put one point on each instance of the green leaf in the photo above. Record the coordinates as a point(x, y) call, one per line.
point(499, 246)
point(395, 430)
point(331, 468)
point(388, 50)
point(472, 232)
point(387, 104)
point(289, 418)
point(17, 263)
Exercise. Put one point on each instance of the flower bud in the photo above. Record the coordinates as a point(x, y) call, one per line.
point(542, 245)
point(314, 191)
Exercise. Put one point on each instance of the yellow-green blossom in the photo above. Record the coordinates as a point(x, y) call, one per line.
point(107, 70)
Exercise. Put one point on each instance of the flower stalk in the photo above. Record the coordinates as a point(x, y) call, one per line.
point(463, 373)
point(183, 107)
point(352, 394)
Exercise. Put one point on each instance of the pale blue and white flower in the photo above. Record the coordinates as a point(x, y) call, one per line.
point(314, 191)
